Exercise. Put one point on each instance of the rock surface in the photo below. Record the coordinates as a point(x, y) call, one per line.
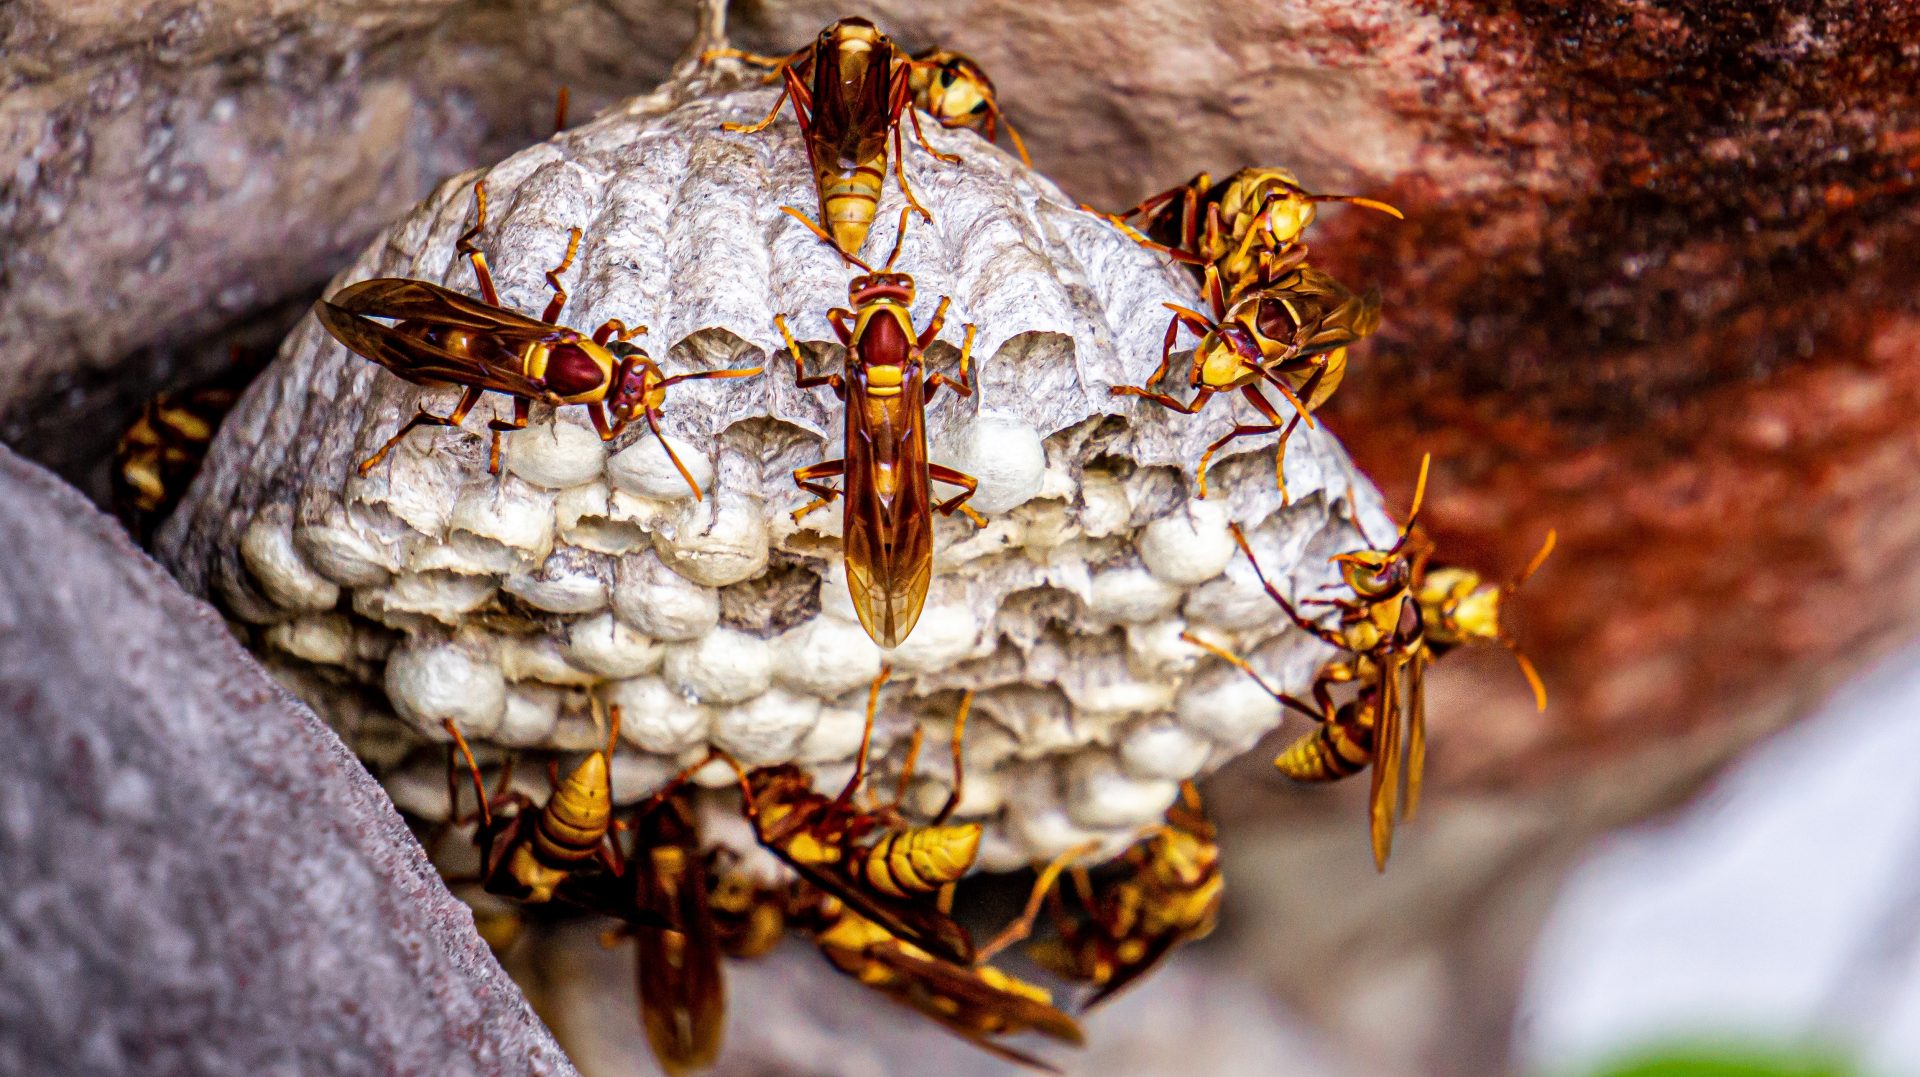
point(200, 877)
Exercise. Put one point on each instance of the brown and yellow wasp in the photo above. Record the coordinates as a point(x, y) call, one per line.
point(956, 91)
point(887, 536)
point(1290, 336)
point(1381, 630)
point(849, 89)
point(161, 450)
point(1248, 226)
point(442, 337)
point(683, 998)
point(974, 1002)
point(1166, 892)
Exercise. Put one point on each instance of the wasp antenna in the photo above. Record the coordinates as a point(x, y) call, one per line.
point(1539, 559)
point(1413, 514)
point(1356, 200)
point(1526, 670)
point(899, 237)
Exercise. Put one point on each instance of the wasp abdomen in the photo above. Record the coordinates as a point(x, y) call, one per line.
point(1327, 754)
point(850, 199)
point(578, 814)
point(921, 860)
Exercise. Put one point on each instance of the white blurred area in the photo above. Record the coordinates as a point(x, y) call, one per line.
point(1781, 908)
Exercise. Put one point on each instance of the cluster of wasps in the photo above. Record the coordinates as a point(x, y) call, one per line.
point(872, 890)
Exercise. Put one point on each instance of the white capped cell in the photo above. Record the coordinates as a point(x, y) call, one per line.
point(568, 581)
point(555, 455)
point(284, 577)
point(607, 646)
point(1101, 795)
point(1129, 593)
point(1189, 545)
point(835, 735)
point(1004, 454)
point(1163, 749)
point(660, 602)
point(644, 470)
point(1226, 705)
point(656, 718)
point(825, 657)
point(344, 555)
point(946, 633)
point(727, 545)
point(325, 639)
point(429, 683)
point(532, 712)
point(766, 729)
point(723, 666)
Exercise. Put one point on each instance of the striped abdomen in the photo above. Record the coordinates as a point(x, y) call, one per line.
point(919, 861)
point(1339, 749)
point(848, 199)
point(577, 815)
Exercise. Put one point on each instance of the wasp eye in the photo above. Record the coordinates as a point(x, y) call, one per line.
point(947, 75)
point(980, 106)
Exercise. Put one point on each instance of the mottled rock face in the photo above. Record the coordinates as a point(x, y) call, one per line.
point(431, 590)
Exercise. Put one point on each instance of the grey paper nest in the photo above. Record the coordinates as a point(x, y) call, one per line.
point(430, 589)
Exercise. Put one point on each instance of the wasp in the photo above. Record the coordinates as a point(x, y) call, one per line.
point(1290, 336)
point(903, 878)
point(749, 917)
point(1249, 225)
point(974, 1002)
point(442, 337)
point(683, 998)
point(561, 852)
point(887, 536)
point(1382, 631)
point(161, 450)
point(849, 89)
point(956, 91)
point(1459, 606)
point(1167, 892)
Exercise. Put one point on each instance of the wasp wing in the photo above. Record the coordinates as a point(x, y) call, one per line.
point(916, 922)
point(950, 993)
point(1385, 794)
point(1155, 951)
point(416, 359)
point(683, 1002)
point(888, 533)
point(403, 298)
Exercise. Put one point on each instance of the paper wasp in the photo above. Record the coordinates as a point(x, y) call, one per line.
point(1459, 606)
point(849, 89)
point(956, 91)
point(976, 1002)
point(1167, 892)
point(683, 1000)
point(1248, 225)
point(1382, 633)
point(887, 537)
point(442, 337)
point(1290, 336)
point(903, 878)
point(563, 851)
point(161, 450)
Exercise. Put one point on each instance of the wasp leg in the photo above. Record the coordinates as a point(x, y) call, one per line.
point(959, 766)
point(967, 483)
point(522, 408)
point(1243, 430)
point(866, 735)
point(465, 245)
point(615, 329)
point(900, 173)
point(1022, 925)
point(559, 299)
point(801, 379)
point(1199, 399)
point(1324, 635)
point(920, 135)
point(806, 478)
point(961, 383)
point(425, 418)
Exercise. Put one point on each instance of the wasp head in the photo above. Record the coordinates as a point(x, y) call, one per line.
point(952, 88)
point(1373, 574)
point(881, 287)
point(637, 385)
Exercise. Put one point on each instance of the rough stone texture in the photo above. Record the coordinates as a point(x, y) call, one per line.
point(1065, 610)
point(200, 877)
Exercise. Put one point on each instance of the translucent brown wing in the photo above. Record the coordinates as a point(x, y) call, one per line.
point(420, 361)
point(683, 1002)
point(1156, 950)
point(1329, 315)
point(417, 300)
point(1385, 793)
point(917, 922)
point(888, 540)
point(968, 994)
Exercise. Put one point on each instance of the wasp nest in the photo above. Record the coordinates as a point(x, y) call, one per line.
point(432, 590)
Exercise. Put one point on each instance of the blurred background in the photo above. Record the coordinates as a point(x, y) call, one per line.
point(1656, 290)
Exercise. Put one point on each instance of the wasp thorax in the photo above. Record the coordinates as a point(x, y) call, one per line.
point(881, 287)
